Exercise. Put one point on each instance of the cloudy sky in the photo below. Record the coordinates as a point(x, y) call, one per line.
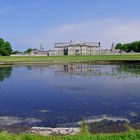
point(29, 23)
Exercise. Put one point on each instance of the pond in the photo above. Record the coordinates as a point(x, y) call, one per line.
point(62, 95)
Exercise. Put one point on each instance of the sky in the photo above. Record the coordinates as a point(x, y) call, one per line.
point(29, 23)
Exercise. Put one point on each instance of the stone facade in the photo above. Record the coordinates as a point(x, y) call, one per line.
point(77, 48)
point(51, 53)
point(39, 53)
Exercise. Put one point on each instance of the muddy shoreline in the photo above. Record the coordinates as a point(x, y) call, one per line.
point(96, 62)
point(94, 128)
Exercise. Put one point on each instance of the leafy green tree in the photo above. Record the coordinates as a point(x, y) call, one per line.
point(15, 52)
point(5, 48)
point(133, 46)
point(29, 50)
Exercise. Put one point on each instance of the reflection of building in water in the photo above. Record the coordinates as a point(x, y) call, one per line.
point(87, 70)
point(40, 68)
point(119, 71)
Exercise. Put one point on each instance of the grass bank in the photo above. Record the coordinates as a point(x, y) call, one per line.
point(63, 59)
point(130, 135)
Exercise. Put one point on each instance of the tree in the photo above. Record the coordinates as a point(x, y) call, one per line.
point(133, 46)
point(29, 50)
point(5, 48)
point(15, 52)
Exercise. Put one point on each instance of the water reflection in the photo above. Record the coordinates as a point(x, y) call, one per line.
point(5, 72)
point(89, 70)
point(82, 70)
point(63, 94)
point(129, 69)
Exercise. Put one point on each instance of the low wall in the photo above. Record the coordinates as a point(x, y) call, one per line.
point(45, 131)
point(84, 55)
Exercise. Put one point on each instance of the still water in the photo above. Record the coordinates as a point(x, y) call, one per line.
point(61, 95)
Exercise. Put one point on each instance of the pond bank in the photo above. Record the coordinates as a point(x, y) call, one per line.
point(68, 59)
point(95, 62)
point(107, 127)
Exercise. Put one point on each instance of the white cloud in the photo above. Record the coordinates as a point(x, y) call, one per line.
point(106, 31)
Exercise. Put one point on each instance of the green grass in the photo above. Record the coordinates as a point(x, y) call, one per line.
point(52, 59)
point(130, 135)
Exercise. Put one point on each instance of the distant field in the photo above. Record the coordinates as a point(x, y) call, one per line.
point(51, 59)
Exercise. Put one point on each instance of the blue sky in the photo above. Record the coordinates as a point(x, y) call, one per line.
point(29, 23)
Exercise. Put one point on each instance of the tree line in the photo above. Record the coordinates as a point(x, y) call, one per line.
point(128, 47)
point(5, 48)
point(28, 51)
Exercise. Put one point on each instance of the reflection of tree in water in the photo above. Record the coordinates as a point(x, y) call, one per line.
point(29, 67)
point(5, 72)
point(133, 69)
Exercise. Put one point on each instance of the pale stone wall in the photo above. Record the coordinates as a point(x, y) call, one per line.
point(82, 50)
point(71, 50)
point(20, 55)
point(51, 52)
point(77, 48)
point(39, 53)
point(59, 51)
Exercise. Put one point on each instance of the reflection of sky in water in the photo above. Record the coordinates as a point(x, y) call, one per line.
point(66, 93)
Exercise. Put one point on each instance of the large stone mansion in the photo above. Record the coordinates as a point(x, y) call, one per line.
point(77, 48)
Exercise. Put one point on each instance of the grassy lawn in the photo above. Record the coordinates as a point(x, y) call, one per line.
point(130, 135)
point(67, 58)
